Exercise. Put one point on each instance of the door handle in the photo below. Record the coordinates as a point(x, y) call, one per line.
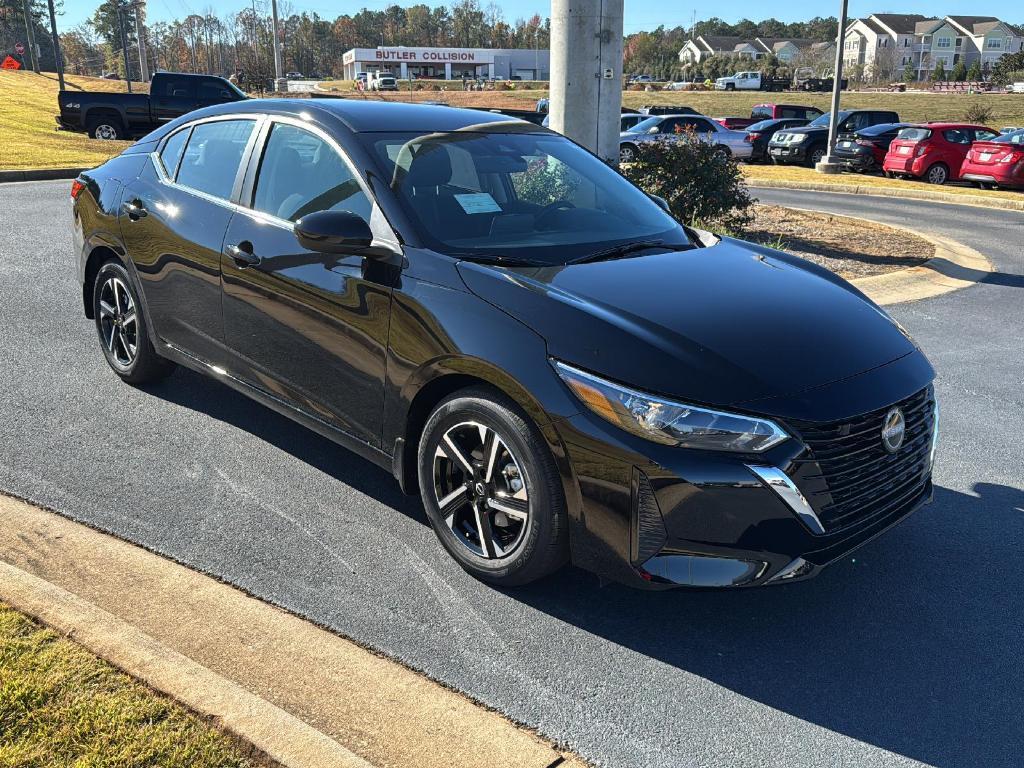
point(242, 254)
point(135, 211)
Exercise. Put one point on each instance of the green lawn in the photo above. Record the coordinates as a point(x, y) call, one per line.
point(61, 707)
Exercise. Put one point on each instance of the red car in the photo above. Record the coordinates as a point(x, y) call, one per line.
point(997, 162)
point(934, 152)
point(735, 123)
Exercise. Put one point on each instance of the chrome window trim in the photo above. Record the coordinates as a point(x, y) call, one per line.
point(779, 482)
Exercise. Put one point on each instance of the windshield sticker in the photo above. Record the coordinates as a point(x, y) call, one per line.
point(478, 202)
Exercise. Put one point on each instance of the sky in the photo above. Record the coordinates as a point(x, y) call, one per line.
point(640, 14)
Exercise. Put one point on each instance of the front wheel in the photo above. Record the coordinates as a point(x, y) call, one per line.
point(491, 489)
point(817, 155)
point(121, 327)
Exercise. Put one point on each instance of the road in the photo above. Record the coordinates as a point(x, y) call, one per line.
point(910, 652)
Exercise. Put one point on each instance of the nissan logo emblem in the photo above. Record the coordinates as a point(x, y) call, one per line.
point(894, 428)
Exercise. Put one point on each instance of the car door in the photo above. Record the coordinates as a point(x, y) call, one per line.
point(958, 143)
point(171, 97)
point(308, 328)
point(173, 219)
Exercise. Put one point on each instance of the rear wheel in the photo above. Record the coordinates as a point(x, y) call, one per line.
point(106, 128)
point(937, 174)
point(627, 153)
point(491, 489)
point(722, 153)
point(121, 327)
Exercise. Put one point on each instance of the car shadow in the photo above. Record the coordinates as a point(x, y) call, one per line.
point(913, 644)
point(205, 395)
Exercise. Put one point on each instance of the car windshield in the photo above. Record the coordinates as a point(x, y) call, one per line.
point(644, 125)
point(1017, 137)
point(508, 193)
point(822, 121)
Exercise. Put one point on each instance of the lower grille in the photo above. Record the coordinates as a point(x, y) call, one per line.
point(849, 477)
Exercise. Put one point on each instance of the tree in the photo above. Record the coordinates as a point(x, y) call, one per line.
point(939, 73)
point(1007, 68)
point(974, 73)
point(959, 73)
point(909, 73)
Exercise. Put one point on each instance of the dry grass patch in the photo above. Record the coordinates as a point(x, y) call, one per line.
point(849, 247)
point(61, 706)
point(30, 135)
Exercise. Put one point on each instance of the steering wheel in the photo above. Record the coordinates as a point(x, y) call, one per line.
point(558, 205)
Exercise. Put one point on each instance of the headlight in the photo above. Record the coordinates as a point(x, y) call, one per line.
point(797, 138)
point(669, 423)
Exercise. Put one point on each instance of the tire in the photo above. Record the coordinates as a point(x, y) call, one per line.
point(722, 153)
point(816, 155)
point(121, 327)
point(937, 174)
point(106, 128)
point(527, 543)
point(730, 86)
point(627, 153)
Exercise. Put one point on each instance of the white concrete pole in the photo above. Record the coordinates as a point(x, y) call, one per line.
point(829, 164)
point(140, 34)
point(280, 84)
point(586, 73)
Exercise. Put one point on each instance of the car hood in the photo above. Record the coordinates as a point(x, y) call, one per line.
point(720, 325)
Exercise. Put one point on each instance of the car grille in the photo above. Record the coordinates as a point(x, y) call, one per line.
point(849, 477)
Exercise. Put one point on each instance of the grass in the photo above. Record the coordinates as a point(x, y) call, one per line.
point(755, 173)
point(60, 706)
point(30, 135)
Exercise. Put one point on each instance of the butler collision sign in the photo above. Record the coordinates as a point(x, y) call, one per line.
point(447, 63)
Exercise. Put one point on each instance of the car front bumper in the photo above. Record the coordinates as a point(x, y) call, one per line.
point(788, 153)
point(654, 516)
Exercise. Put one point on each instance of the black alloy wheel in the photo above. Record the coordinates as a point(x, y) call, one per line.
point(491, 489)
point(121, 326)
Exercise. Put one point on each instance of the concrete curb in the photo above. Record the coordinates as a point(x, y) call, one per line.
point(40, 174)
point(977, 201)
point(278, 735)
point(954, 266)
point(302, 695)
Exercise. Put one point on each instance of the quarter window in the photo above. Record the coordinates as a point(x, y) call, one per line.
point(300, 173)
point(171, 153)
point(212, 156)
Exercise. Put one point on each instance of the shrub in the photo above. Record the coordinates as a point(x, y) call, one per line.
point(1007, 68)
point(702, 187)
point(979, 114)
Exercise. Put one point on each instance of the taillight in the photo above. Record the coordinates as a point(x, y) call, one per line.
point(864, 143)
point(1013, 157)
point(76, 189)
point(922, 147)
point(752, 137)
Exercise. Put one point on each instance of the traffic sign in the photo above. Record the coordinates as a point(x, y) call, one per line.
point(19, 49)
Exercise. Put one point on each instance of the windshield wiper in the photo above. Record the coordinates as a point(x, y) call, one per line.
point(624, 250)
point(502, 260)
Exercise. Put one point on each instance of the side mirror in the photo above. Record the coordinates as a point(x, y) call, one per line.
point(662, 203)
point(333, 232)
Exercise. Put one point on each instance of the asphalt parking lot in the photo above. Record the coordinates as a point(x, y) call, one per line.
point(908, 652)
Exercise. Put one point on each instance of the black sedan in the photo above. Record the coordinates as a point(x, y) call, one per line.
point(760, 133)
point(864, 150)
point(516, 333)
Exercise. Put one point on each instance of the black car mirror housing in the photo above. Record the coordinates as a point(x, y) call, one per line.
point(341, 232)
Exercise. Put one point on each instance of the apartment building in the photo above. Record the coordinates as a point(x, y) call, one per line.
point(883, 44)
point(784, 49)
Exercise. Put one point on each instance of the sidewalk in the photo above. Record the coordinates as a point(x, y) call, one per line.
point(300, 694)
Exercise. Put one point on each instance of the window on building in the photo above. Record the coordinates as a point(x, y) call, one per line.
point(994, 43)
point(943, 42)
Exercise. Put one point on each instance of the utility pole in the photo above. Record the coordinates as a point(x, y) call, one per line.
point(57, 58)
point(140, 33)
point(124, 47)
point(279, 81)
point(32, 53)
point(828, 163)
point(586, 73)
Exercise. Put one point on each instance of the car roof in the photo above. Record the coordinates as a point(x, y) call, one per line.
point(945, 125)
point(361, 116)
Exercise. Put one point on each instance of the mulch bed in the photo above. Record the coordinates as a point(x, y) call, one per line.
point(849, 247)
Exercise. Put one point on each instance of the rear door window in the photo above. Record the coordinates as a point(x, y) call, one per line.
point(212, 156)
point(300, 173)
point(176, 87)
point(171, 153)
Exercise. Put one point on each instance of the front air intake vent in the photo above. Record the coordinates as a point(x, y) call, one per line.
point(648, 526)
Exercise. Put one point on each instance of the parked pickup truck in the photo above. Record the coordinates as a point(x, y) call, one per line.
point(124, 115)
point(751, 81)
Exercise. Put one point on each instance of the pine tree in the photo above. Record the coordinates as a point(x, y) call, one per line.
point(959, 73)
point(909, 73)
point(974, 73)
point(939, 73)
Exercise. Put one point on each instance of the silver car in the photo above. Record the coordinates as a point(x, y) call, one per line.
point(669, 128)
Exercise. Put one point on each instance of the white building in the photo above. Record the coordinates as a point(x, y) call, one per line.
point(785, 49)
point(449, 63)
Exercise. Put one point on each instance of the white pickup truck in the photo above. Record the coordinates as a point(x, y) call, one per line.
point(750, 81)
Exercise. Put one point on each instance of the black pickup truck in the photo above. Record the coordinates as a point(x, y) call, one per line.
point(125, 115)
